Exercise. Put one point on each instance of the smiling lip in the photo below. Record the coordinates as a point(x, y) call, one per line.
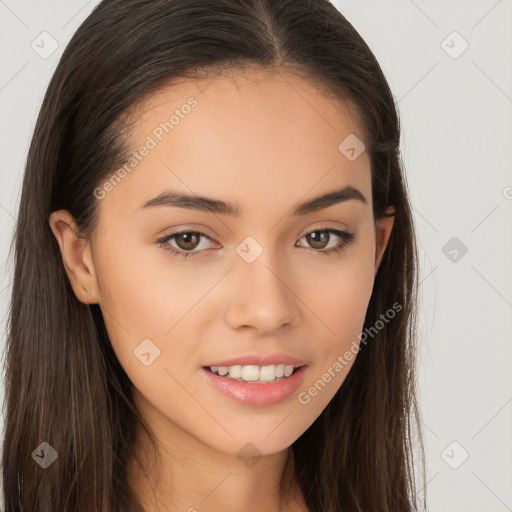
point(259, 360)
point(257, 394)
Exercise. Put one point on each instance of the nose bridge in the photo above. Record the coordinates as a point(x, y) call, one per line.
point(261, 299)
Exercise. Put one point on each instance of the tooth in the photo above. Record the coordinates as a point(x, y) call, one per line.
point(254, 373)
point(268, 373)
point(288, 370)
point(235, 372)
point(250, 372)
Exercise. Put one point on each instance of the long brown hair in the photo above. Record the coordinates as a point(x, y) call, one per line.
point(64, 385)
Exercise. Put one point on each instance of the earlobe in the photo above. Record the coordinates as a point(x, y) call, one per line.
point(383, 226)
point(76, 257)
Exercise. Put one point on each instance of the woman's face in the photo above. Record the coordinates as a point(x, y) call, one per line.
point(260, 283)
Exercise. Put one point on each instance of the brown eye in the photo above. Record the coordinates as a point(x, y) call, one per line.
point(187, 240)
point(318, 239)
point(321, 240)
point(185, 243)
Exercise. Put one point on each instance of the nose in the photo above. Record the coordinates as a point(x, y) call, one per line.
point(260, 296)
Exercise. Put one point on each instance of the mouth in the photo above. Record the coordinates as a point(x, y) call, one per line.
point(255, 374)
point(254, 385)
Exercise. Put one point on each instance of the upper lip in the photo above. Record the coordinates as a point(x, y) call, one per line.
point(260, 360)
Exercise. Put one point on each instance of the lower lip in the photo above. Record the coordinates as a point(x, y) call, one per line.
point(257, 394)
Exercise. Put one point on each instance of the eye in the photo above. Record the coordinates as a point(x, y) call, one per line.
point(189, 242)
point(321, 237)
point(186, 242)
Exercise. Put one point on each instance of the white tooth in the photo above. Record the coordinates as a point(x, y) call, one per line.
point(254, 373)
point(268, 373)
point(288, 370)
point(250, 372)
point(279, 370)
point(235, 372)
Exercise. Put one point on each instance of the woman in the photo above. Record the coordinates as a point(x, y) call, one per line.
point(215, 270)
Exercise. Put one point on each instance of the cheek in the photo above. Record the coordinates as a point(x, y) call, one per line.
point(147, 309)
point(339, 292)
point(342, 301)
point(146, 289)
point(143, 298)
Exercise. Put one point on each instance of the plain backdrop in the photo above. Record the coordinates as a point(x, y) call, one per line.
point(449, 66)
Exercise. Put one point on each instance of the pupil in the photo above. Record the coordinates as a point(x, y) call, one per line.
point(314, 239)
point(190, 236)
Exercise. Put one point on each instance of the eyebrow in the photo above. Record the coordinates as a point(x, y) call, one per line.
point(207, 204)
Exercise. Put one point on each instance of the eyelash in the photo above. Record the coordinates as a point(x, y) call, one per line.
point(346, 237)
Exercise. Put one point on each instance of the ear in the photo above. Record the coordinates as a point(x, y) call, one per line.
point(76, 256)
point(383, 228)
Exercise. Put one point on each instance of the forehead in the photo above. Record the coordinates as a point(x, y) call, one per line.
point(264, 95)
point(245, 137)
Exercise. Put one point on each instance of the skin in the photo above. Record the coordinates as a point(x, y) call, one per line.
point(266, 142)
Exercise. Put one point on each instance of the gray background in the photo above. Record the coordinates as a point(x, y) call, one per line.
point(455, 108)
